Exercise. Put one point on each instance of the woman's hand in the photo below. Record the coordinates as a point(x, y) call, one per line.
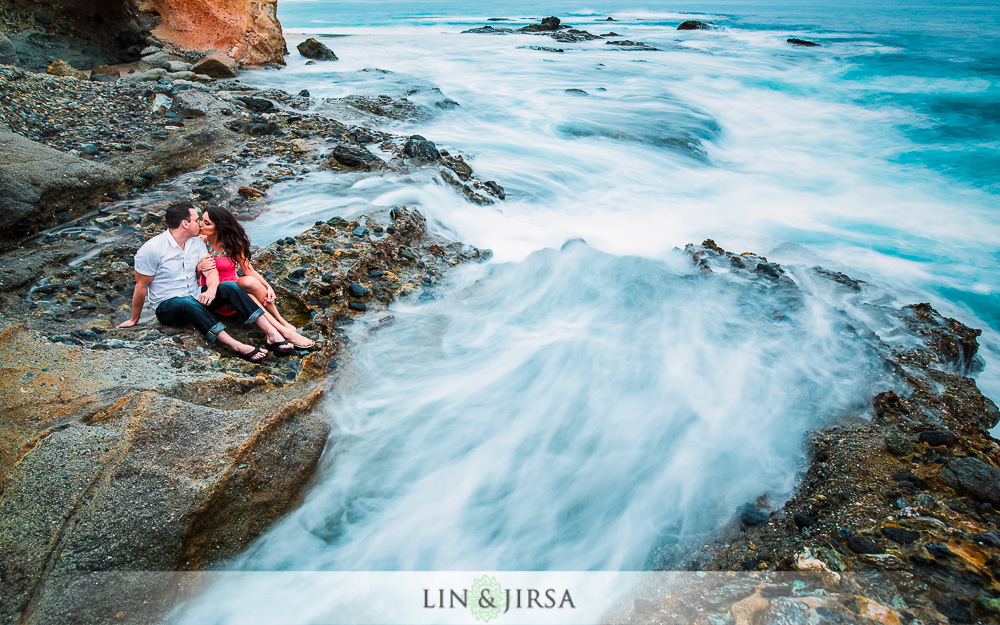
point(206, 264)
point(207, 296)
point(270, 296)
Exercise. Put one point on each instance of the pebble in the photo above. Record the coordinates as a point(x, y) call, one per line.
point(356, 290)
point(90, 148)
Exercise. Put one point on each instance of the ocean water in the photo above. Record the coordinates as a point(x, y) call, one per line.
point(583, 401)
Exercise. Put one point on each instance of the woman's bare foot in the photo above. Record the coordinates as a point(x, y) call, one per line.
point(292, 335)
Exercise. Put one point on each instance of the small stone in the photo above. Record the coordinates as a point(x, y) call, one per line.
point(304, 93)
point(938, 438)
point(356, 290)
point(90, 148)
point(860, 544)
point(159, 60)
point(62, 68)
point(360, 231)
point(899, 444)
point(803, 520)
point(899, 535)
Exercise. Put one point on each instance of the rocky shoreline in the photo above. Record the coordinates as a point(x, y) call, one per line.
point(148, 449)
point(896, 517)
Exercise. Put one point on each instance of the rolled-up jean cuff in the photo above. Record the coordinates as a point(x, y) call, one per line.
point(254, 315)
point(213, 332)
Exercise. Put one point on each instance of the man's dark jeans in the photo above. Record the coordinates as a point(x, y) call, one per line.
point(180, 312)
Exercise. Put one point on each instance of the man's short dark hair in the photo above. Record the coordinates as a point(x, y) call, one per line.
point(178, 212)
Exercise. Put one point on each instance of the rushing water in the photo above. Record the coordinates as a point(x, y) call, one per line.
point(583, 402)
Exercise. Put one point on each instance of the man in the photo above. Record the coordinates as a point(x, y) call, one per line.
point(165, 273)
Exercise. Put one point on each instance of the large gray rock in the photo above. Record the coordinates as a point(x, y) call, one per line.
point(191, 103)
point(217, 65)
point(974, 478)
point(8, 55)
point(36, 182)
point(160, 60)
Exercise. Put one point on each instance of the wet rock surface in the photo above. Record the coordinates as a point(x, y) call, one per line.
point(896, 513)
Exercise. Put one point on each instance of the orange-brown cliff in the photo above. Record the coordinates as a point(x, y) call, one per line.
point(246, 30)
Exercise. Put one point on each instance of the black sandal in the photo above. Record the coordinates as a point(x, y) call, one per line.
point(249, 356)
point(275, 348)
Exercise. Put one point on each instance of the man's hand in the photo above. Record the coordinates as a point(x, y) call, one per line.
point(206, 264)
point(128, 324)
point(207, 297)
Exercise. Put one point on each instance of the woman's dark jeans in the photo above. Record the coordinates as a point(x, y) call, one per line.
point(180, 312)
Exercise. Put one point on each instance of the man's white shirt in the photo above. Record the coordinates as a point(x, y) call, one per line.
point(173, 269)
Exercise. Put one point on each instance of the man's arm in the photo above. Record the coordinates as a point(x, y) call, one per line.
point(211, 286)
point(138, 299)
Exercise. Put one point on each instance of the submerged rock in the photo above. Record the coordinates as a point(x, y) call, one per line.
point(314, 49)
point(801, 42)
point(420, 148)
point(695, 25)
point(548, 24)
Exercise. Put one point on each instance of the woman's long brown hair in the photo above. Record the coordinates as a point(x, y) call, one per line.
point(232, 236)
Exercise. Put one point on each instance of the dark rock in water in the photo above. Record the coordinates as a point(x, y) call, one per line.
point(385, 106)
point(257, 105)
point(495, 189)
point(938, 438)
point(8, 55)
point(147, 175)
point(254, 129)
point(545, 49)
point(211, 180)
point(447, 104)
point(420, 148)
point(803, 520)
point(610, 19)
point(860, 544)
point(356, 290)
point(90, 148)
point(900, 536)
point(573, 35)
point(753, 517)
point(344, 156)
point(358, 306)
point(956, 343)
point(974, 478)
point(360, 231)
point(548, 24)
point(313, 49)
point(489, 30)
point(576, 92)
point(801, 42)
point(768, 270)
point(696, 25)
point(304, 93)
point(836, 276)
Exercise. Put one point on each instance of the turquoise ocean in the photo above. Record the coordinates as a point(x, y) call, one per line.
point(581, 402)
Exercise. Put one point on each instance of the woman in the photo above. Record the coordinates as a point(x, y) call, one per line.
point(229, 246)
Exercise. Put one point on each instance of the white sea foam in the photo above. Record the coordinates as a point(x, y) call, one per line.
point(579, 407)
